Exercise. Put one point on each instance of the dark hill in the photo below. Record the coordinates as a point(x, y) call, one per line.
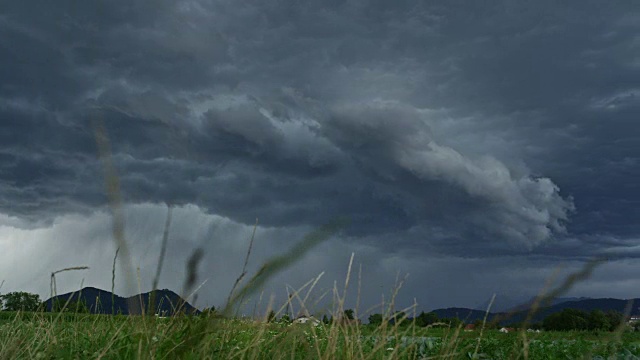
point(556, 301)
point(464, 314)
point(99, 302)
point(587, 305)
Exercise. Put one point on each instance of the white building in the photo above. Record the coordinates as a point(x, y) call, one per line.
point(307, 320)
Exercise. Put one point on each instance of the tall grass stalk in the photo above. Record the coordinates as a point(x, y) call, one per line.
point(163, 250)
point(112, 182)
point(246, 262)
point(113, 283)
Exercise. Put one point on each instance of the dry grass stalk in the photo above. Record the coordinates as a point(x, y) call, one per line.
point(53, 286)
point(192, 274)
point(115, 203)
point(484, 322)
point(113, 283)
point(163, 250)
point(246, 262)
point(279, 263)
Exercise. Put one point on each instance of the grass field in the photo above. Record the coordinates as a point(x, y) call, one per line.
point(71, 336)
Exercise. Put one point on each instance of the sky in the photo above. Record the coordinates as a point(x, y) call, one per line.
point(477, 148)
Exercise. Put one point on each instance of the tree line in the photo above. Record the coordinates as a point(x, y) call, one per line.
point(595, 320)
point(24, 301)
point(421, 320)
point(566, 320)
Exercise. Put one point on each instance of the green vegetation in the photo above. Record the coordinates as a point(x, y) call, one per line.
point(69, 331)
point(77, 336)
point(571, 319)
point(349, 313)
point(426, 319)
point(19, 301)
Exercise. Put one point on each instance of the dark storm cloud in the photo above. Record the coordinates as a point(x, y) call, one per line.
point(465, 129)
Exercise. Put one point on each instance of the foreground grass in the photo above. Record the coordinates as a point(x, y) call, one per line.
point(49, 336)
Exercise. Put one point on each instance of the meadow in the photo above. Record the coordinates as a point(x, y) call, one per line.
point(80, 336)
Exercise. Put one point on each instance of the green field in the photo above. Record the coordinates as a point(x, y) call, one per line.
point(71, 336)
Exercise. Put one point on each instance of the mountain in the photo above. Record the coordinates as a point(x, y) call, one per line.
point(598, 304)
point(501, 303)
point(584, 304)
point(506, 303)
point(555, 301)
point(464, 314)
point(99, 302)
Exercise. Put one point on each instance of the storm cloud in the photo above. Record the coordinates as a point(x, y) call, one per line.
point(460, 139)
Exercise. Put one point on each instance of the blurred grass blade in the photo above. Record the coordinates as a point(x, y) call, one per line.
point(279, 263)
point(115, 204)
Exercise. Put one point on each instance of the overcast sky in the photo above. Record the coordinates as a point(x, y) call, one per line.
point(479, 147)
